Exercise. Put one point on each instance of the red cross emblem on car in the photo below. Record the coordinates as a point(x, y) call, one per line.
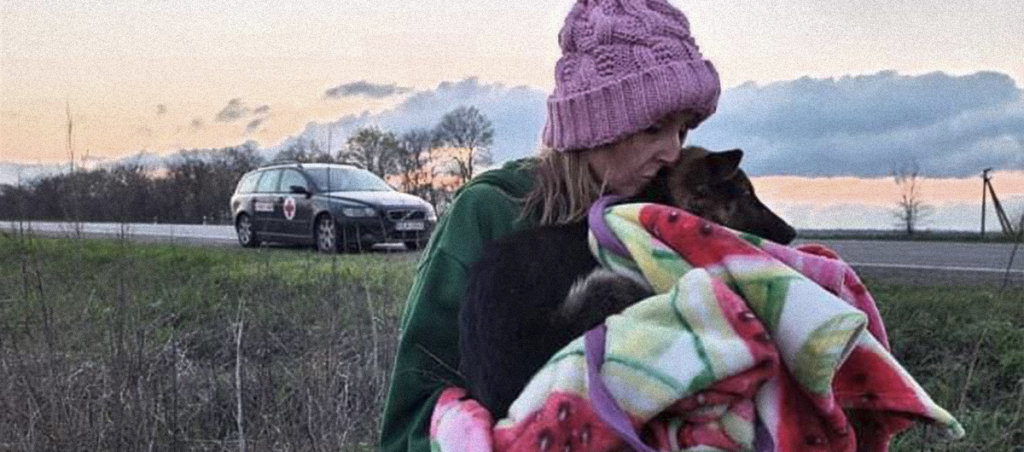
point(289, 208)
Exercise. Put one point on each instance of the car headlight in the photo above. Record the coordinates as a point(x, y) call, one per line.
point(359, 212)
point(431, 214)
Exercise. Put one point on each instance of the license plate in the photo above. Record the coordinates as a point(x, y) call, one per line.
point(409, 226)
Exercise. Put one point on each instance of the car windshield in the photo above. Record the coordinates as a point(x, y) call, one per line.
point(346, 179)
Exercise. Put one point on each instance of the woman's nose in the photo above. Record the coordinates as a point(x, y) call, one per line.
point(670, 148)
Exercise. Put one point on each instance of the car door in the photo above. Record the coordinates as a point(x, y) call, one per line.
point(296, 208)
point(263, 202)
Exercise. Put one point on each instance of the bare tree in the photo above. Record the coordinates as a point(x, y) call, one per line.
point(304, 151)
point(471, 133)
point(243, 158)
point(910, 211)
point(372, 149)
point(413, 161)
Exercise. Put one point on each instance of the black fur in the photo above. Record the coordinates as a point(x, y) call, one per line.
point(515, 314)
point(514, 318)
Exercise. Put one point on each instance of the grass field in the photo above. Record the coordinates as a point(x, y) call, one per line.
point(112, 345)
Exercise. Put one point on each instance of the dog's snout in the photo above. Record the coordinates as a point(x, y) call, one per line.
point(787, 235)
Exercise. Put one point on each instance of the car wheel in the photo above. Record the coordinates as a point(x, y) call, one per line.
point(326, 234)
point(246, 231)
point(413, 245)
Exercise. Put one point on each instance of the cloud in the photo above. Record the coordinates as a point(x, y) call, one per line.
point(953, 126)
point(517, 115)
point(161, 109)
point(862, 126)
point(254, 124)
point(364, 88)
point(233, 111)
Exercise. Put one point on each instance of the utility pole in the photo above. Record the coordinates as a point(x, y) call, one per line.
point(1004, 221)
point(71, 148)
point(984, 195)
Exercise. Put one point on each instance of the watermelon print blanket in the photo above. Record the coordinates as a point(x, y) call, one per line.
point(749, 345)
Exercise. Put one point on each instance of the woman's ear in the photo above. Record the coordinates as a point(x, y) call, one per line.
point(722, 166)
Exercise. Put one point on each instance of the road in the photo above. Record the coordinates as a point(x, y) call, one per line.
point(917, 262)
point(932, 263)
point(142, 232)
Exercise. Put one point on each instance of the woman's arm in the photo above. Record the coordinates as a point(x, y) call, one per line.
point(428, 354)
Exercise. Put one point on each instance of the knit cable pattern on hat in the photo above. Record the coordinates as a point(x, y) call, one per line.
point(625, 64)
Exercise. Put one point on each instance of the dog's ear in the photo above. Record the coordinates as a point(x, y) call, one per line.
point(722, 166)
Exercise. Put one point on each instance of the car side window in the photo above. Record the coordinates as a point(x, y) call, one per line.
point(248, 183)
point(292, 177)
point(268, 183)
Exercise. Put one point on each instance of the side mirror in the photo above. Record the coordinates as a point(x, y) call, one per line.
point(300, 190)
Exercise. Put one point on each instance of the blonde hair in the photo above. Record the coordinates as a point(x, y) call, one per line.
point(564, 188)
point(564, 185)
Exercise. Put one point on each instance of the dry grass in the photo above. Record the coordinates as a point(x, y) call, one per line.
point(112, 345)
point(117, 346)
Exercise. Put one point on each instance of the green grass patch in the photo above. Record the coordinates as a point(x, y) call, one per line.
point(109, 345)
point(965, 346)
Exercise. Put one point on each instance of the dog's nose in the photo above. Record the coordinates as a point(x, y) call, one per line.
point(786, 235)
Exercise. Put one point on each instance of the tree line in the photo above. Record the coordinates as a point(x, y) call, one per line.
point(195, 186)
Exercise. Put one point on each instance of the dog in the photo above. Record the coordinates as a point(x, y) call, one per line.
point(526, 295)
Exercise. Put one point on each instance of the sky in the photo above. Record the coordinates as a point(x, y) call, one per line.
point(812, 89)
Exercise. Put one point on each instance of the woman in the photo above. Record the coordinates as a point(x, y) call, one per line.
point(630, 83)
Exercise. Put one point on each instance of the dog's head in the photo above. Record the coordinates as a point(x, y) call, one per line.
point(712, 185)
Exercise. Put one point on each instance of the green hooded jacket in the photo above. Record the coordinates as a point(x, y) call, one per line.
point(485, 209)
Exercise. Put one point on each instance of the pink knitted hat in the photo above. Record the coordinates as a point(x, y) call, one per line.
point(625, 64)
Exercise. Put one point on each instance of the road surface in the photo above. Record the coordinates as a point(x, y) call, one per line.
point(143, 232)
point(917, 261)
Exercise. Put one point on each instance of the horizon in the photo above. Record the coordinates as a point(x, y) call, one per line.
point(865, 204)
